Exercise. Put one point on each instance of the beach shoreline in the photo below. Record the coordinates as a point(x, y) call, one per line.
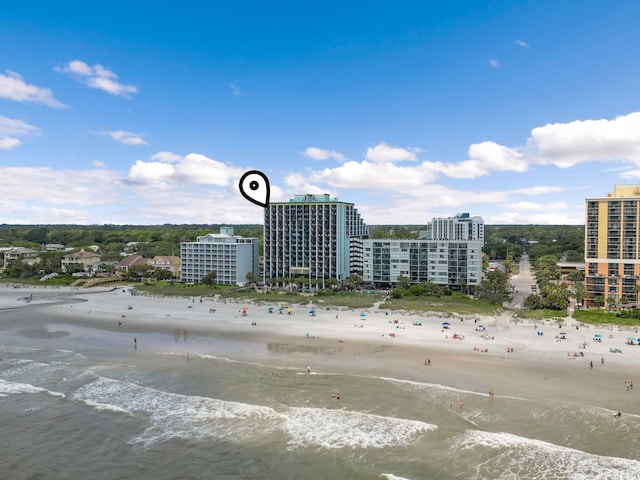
point(366, 342)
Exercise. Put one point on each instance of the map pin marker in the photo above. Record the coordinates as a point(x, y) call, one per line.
point(254, 186)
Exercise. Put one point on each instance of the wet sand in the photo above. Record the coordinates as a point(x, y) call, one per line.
point(540, 366)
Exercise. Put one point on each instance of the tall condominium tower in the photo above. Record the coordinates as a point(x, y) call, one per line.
point(612, 246)
point(232, 257)
point(313, 236)
point(459, 227)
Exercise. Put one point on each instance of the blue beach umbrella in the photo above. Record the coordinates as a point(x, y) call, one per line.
point(363, 314)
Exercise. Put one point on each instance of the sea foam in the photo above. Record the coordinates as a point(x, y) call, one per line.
point(504, 455)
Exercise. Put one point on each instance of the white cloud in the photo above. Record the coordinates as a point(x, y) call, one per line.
point(538, 190)
point(236, 90)
point(97, 76)
point(568, 144)
point(487, 157)
point(320, 154)
point(166, 157)
point(151, 172)
point(98, 164)
point(493, 63)
point(13, 87)
point(127, 138)
point(535, 206)
point(192, 169)
point(7, 143)
point(384, 153)
point(521, 43)
point(11, 128)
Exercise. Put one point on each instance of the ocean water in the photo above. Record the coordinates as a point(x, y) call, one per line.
point(75, 406)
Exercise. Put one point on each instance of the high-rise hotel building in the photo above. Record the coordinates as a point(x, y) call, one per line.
point(313, 236)
point(612, 245)
point(232, 257)
point(449, 254)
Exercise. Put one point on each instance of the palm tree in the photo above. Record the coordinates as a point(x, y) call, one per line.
point(611, 302)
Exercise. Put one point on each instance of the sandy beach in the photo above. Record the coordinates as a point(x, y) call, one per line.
point(524, 359)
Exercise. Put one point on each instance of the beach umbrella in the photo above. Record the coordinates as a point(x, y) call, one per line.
point(597, 335)
point(363, 314)
point(312, 312)
point(446, 323)
point(631, 339)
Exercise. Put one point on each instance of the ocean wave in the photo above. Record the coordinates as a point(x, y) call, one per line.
point(391, 476)
point(504, 455)
point(172, 415)
point(14, 349)
point(7, 388)
point(347, 429)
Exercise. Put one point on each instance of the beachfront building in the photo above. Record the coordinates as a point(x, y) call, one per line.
point(231, 256)
point(18, 254)
point(450, 264)
point(169, 263)
point(129, 261)
point(83, 259)
point(612, 247)
point(462, 226)
point(448, 253)
point(315, 237)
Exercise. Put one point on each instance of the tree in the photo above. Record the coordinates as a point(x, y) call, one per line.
point(580, 292)
point(209, 279)
point(333, 283)
point(494, 287)
point(402, 282)
point(251, 278)
point(611, 302)
point(598, 301)
point(354, 280)
point(162, 274)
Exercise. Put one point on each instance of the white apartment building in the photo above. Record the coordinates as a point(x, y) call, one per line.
point(313, 236)
point(451, 264)
point(232, 257)
point(449, 254)
point(459, 227)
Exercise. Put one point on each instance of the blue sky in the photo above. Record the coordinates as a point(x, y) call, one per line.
point(150, 112)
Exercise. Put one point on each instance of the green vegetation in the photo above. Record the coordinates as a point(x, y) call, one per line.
point(456, 303)
point(564, 241)
point(605, 317)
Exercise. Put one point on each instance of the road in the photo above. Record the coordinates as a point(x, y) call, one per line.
point(522, 282)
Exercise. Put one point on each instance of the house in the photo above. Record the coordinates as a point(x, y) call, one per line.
point(129, 261)
point(87, 259)
point(166, 262)
point(14, 254)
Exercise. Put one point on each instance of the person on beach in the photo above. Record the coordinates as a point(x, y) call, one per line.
point(188, 357)
point(135, 343)
point(491, 392)
point(308, 369)
point(591, 365)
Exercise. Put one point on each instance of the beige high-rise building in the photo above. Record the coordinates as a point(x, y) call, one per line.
point(612, 246)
